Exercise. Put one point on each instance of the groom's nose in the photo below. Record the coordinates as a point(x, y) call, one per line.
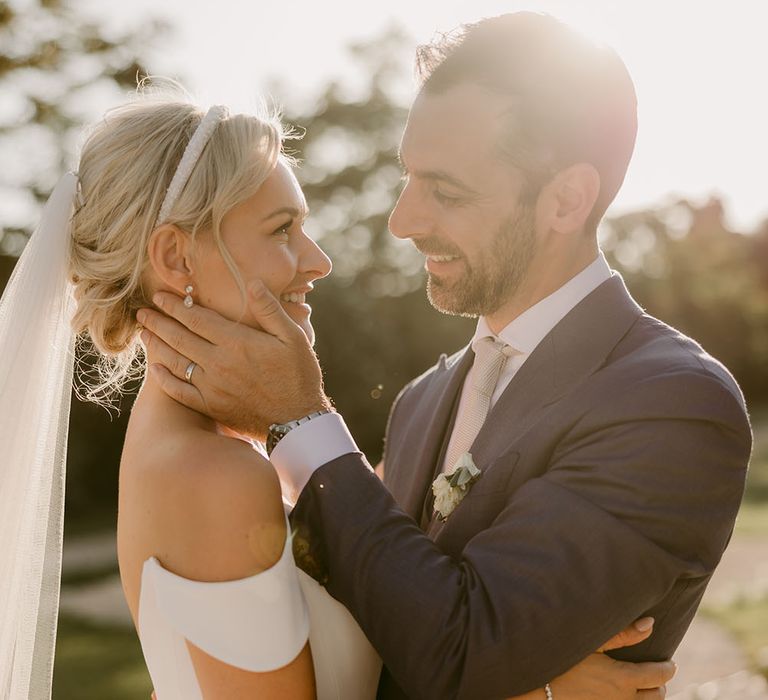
point(407, 218)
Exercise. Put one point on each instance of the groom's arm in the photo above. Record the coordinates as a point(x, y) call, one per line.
point(630, 507)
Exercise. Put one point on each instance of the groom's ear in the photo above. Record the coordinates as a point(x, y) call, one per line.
point(573, 193)
point(170, 255)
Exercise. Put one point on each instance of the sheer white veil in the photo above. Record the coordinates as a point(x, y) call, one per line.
point(36, 366)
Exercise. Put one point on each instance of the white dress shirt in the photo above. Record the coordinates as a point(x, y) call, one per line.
point(531, 327)
point(321, 440)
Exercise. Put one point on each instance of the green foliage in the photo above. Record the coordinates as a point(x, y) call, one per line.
point(53, 66)
point(375, 328)
point(686, 267)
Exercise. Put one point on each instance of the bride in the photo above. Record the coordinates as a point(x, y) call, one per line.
point(168, 197)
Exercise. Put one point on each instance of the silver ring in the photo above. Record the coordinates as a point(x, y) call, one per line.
point(188, 374)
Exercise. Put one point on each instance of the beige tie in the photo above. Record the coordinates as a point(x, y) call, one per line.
point(490, 356)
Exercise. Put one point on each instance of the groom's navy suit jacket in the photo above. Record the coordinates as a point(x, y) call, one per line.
point(613, 467)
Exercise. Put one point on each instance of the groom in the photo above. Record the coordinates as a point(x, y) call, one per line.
point(611, 449)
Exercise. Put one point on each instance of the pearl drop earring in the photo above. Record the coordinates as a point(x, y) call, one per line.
point(188, 300)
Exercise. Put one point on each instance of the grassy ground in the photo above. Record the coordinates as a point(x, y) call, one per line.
point(747, 621)
point(747, 617)
point(98, 663)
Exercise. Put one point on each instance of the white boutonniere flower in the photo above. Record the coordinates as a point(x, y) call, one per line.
point(450, 488)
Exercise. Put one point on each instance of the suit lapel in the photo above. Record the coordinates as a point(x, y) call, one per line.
point(575, 348)
point(572, 351)
point(417, 452)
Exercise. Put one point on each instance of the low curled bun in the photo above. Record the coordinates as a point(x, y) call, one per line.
point(126, 166)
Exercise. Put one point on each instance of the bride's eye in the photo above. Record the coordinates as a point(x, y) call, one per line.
point(284, 229)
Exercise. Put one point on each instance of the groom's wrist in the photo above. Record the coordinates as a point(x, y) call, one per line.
point(307, 447)
point(277, 431)
point(294, 409)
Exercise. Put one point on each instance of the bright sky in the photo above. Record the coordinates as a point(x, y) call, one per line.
point(699, 70)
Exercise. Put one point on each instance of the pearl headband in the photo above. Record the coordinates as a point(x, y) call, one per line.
point(187, 163)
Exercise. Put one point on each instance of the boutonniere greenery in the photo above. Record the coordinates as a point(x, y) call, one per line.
point(451, 487)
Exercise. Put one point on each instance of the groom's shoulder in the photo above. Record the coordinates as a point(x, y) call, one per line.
point(419, 385)
point(656, 353)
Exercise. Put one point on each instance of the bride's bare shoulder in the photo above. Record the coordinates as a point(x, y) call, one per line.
point(211, 507)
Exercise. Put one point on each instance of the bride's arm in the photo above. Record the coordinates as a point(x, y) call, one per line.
point(599, 677)
point(222, 519)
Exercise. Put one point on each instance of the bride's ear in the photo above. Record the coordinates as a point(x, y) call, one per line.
point(170, 255)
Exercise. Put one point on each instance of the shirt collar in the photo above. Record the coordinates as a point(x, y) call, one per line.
point(530, 327)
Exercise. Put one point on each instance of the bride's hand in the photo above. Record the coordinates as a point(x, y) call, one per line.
point(243, 378)
point(599, 677)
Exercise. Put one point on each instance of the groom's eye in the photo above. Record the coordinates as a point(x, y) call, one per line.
point(447, 199)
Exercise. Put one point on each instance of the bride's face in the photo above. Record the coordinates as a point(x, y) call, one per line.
point(265, 237)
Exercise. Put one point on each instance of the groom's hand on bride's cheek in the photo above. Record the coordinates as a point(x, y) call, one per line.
point(244, 378)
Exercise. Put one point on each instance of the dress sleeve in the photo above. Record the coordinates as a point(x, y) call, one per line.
point(259, 623)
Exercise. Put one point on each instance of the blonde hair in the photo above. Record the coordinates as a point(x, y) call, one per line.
point(126, 166)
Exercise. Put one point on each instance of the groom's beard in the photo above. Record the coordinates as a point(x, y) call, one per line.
point(495, 275)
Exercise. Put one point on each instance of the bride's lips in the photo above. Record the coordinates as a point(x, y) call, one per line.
point(296, 298)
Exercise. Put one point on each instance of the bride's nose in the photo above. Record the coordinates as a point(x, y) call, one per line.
point(314, 261)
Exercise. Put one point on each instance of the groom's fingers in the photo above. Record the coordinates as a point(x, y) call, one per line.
point(203, 322)
point(178, 389)
point(175, 336)
point(165, 355)
point(634, 634)
point(655, 694)
point(269, 313)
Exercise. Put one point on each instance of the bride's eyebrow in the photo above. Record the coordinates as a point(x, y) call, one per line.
point(291, 211)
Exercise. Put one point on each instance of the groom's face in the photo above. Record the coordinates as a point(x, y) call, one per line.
point(461, 205)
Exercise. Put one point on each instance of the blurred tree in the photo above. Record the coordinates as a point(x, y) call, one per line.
point(686, 267)
point(375, 328)
point(54, 67)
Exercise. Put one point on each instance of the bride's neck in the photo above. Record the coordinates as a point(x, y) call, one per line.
point(153, 402)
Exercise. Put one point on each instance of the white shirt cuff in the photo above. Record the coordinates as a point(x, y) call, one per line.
point(308, 447)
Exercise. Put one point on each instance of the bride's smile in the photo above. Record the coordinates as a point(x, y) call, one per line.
point(265, 239)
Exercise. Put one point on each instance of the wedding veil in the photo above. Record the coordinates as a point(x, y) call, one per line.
point(36, 366)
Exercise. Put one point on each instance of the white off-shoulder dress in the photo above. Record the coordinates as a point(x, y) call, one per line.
point(259, 623)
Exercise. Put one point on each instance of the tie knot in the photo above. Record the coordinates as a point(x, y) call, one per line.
point(490, 355)
point(489, 347)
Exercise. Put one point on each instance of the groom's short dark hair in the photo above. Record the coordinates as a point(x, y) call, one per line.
point(571, 100)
